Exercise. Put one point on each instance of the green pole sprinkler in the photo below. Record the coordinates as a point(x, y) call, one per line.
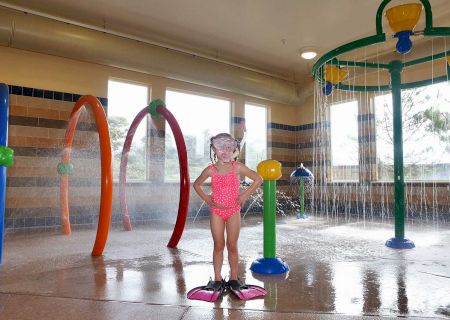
point(270, 170)
point(299, 175)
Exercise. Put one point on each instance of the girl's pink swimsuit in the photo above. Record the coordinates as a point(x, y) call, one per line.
point(225, 191)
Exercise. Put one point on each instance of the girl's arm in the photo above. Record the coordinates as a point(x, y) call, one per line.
point(198, 187)
point(254, 176)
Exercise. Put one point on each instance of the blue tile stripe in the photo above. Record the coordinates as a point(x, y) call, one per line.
point(53, 152)
point(48, 94)
point(236, 120)
point(285, 145)
point(306, 145)
point(366, 117)
point(310, 144)
point(368, 138)
point(309, 126)
point(287, 127)
point(273, 125)
point(50, 182)
point(49, 123)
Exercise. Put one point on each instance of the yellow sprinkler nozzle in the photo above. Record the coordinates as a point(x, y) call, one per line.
point(403, 20)
point(404, 17)
point(334, 74)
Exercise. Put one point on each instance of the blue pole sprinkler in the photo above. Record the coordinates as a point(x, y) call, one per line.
point(6, 157)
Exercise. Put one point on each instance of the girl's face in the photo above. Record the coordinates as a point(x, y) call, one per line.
point(224, 148)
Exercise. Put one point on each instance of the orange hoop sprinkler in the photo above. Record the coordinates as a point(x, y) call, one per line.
point(65, 168)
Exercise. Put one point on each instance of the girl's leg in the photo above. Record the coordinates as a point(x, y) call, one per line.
point(233, 228)
point(217, 230)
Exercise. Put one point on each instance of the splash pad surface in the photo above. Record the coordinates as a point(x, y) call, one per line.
point(336, 268)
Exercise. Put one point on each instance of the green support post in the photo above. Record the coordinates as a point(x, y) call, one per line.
point(301, 194)
point(399, 242)
point(399, 182)
point(299, 175)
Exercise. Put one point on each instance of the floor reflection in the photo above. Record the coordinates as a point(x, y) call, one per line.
point(333, 270)
point(402, 297)
point(371, 291)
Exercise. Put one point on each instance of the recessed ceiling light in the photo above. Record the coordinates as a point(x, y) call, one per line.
point(308, 54)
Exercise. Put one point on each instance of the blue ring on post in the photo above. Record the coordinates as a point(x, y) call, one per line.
point(269, 266)
point(399, 243)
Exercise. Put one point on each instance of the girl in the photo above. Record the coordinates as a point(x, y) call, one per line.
point(225, 200)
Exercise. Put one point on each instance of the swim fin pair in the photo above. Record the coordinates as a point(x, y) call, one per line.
point(214, 289)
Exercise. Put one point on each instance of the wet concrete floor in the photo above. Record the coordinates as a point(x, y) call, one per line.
point(337, 271)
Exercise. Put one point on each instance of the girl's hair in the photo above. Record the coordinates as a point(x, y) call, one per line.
point(221, 135)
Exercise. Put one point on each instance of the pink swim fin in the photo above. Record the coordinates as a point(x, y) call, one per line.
point(245, 291)
point(210, 293)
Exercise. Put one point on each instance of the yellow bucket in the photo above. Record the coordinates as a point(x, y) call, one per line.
point(335, 75)
point(404, 17)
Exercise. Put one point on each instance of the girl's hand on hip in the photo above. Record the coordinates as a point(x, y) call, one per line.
point(241, 199)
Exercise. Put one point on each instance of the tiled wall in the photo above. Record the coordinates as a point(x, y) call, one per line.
point(37, 122)
point(281, 147)
point(37, 125)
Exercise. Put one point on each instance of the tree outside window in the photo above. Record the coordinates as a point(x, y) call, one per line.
point(125, 100)
point(199, 118)
point(426, 133)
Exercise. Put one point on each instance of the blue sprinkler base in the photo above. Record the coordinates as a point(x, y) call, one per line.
point(302, 216)
point(269, 266)
point(398, 243)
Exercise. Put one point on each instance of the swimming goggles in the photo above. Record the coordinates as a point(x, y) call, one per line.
point(224, 144)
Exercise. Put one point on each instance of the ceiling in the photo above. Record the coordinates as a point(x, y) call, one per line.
point(266, 35)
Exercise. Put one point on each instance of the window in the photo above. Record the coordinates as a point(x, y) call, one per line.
point(426, 133)
point(385, 151)
point(256, 144)
point(344, 141)
point(199, 118)
point(125, 100)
